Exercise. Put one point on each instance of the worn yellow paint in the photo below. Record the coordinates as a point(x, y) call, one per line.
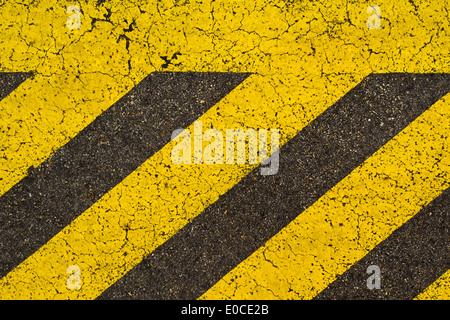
point(79, 73)
point(304, 57)
point(351, 219)
point(148, 207)
point(71, 87)
point(438, 290)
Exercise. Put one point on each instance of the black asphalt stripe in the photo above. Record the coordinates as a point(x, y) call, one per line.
point(410, 259)
point(258, 207)
point(9, 81)
point(101, 156)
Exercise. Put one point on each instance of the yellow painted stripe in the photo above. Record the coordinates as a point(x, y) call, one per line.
point(150, 205)
point(351, 219)
point(82, 72)
point(300, 66)
point(77, 77)
point(438, 290)
point(39, 117)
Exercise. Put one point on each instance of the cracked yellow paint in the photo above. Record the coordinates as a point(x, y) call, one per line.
point(304, 57)
point(351, 219)
point(78, 75)
point(438, 290)
point(148, 207)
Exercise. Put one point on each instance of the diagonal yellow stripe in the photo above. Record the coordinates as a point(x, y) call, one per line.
point(82, 72)
point(301, 68)
point(151, 204)
point(76, 78)
point(350, 219)
point(438, 290)
point(43, 114)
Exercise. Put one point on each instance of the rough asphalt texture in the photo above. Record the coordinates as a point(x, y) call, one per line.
point(412, 258)
point(101, 156)
point(327, 150)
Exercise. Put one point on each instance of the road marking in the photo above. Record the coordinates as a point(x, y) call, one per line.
point(410, 259)
point(351, 219)
point(438, 290)
point(256, 208)
point(9, 81)
point(103, 154)
point(80, 73)
point(145, 209)
point(295, 50)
